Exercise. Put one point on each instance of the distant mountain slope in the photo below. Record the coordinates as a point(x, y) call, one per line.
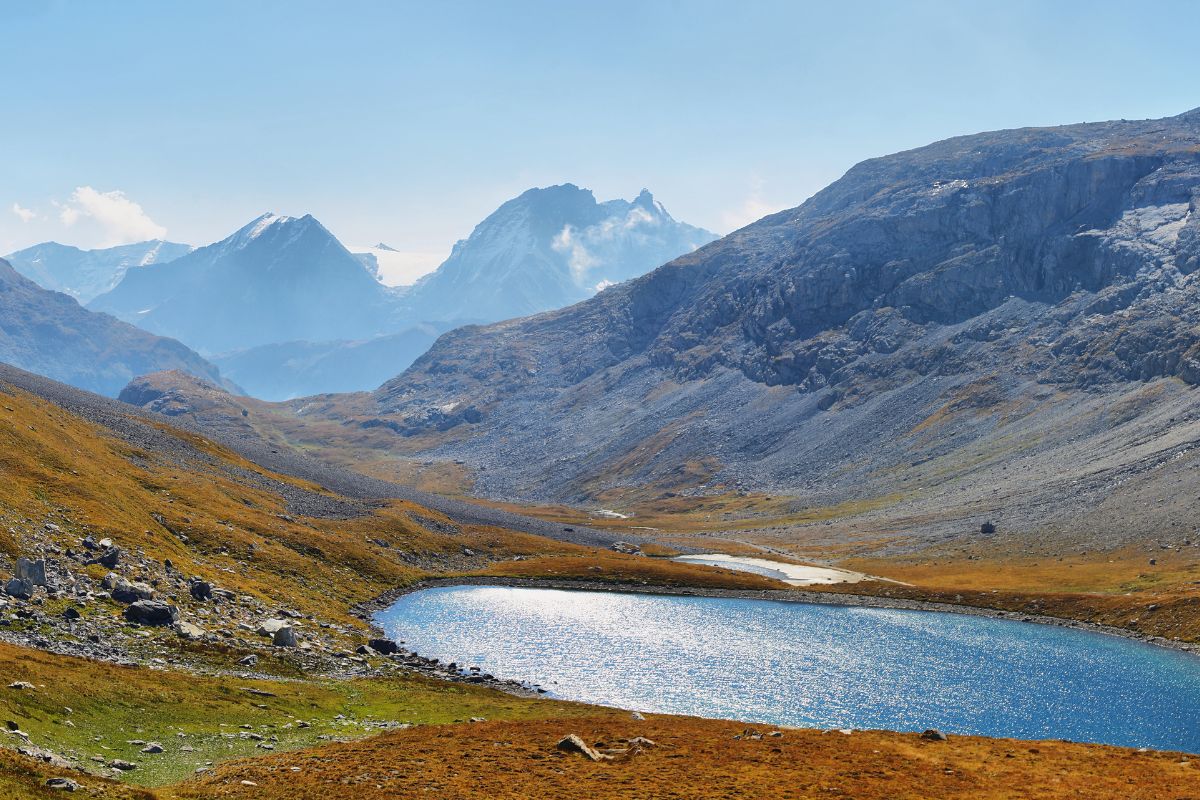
point(51, 334)
point(84, 274)
point(957, 331)
point(278, 279)
point(296, 369)
point(547, 249)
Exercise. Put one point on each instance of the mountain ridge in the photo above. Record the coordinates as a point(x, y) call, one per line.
point(50, 333)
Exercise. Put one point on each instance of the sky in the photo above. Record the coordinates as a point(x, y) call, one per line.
point(407, 123)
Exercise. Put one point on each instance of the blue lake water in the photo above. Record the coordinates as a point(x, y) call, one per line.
point(811, 665)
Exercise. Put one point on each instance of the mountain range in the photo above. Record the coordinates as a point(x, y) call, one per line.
point(997, 327)
point(85, 274)
point(286, 310)
point(51, 334)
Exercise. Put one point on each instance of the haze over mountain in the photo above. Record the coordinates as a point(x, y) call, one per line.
point(278, 279)
point(980, 327)
point(549, 248)
point(84, 274)
point(51, 334)
point(287, 310)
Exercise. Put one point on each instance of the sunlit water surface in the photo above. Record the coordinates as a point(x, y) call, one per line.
point(812, 665)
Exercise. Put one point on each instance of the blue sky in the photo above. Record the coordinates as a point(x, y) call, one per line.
point(408, 123)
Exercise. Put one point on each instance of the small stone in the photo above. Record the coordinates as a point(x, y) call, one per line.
point(20, 685)
point(249, 661)
point(124, 766)
point(152, 747)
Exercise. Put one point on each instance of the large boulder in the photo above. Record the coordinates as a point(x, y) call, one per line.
point(268, 627)
point(19, 588)
point(32, 571)
point(126, 592)
point(109, 558)
point(385, 646)
point(285, 637)
point(152, 612)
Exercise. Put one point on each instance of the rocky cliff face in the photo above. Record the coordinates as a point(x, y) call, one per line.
point(985, 272)
point(51, 334)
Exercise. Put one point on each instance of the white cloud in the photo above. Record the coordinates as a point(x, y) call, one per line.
point(578, 257)
point(122, 220)
point(752, 209)
point(24, 214)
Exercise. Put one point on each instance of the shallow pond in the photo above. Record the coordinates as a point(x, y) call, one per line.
point(813, 665)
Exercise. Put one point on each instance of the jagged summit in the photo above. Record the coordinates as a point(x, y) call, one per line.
point(547, 248)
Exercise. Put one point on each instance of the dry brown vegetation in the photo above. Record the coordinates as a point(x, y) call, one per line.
point(699, 758)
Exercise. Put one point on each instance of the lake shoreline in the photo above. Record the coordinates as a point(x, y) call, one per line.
point(367, 610)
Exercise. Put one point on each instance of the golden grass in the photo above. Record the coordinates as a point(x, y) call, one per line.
point(697, 758)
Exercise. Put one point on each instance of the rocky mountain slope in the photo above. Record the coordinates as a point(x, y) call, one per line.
point(549, 248)
point(51, 334)
point(278, 279)
point(84, 274)
point(1000, 326)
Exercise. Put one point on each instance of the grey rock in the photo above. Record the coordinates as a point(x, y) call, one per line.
point(110, 558)
point(152, 612)
point(384, 646)
point(32, 571)
point(285, 637)
point(268, 627)
point(62, 784)
point(19, 588)
point(127, 592)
